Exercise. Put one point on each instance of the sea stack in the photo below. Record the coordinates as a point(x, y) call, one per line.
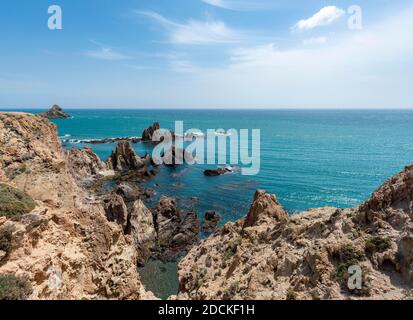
point(55, 112)
point(148, 133)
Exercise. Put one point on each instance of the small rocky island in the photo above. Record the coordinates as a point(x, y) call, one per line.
point(55, 112)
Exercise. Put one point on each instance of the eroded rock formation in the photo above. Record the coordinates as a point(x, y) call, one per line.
point(148, 133)
point(270, 255)
point(66, 241)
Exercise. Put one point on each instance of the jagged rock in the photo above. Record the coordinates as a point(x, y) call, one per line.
point(148, 133)
point(142, 229)
point(124, 158)
point(55, 112)
point(211, 221)
point(265, 207)
point(269, 255)
point(116, 210)
point(175, 234)
point(86, 166)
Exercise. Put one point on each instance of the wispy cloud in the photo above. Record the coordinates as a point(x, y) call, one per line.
point(194, 31)
point(239, 5)
point(325, 16)
point(104, 53)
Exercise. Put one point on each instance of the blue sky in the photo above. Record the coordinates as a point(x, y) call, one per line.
point(207, 54)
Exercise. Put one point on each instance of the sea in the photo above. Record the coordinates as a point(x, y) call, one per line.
point(309, 159)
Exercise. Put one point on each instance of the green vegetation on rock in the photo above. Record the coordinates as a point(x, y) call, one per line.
point(377, 244)
point(14, 288)
point(6, 234)
point(14, 203)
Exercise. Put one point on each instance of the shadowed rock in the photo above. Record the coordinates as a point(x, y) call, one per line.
point(124, 158)
point(148, 133)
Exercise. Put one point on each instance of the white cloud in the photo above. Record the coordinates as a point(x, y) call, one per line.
point(105, 53)
point(315, 41)
point(239, 5)
point(323, 17)
point(340, 74)
point(194, 31)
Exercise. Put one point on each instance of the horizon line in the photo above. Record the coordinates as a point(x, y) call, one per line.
point(210, 108)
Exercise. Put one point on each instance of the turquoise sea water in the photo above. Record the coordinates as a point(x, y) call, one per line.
point(309, 158)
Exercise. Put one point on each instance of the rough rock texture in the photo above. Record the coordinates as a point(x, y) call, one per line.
point(124, 158)
point(65, 246)
point(175, 234)
point(116, 210)
point(148, 133)
point(270, 255)
point(55, 112)
point(142, 229)
point(31, 159)
point(211, 220)
point(86, 166)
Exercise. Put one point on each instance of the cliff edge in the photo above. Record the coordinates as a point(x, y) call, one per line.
point(62, 244)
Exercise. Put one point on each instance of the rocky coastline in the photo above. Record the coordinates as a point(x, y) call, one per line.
point(58, 219)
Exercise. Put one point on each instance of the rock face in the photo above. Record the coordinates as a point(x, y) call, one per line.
point(55, 112)
point(270, 255)
point(211, 221)
point(124, 158)
point(142, 229)
point(176, 234)
point(148, 133)
point(66, 240)
point(116, 210)
point(86, 166)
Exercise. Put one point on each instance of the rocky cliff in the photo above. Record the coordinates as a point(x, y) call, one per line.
point(65, 247)
point(310, 255)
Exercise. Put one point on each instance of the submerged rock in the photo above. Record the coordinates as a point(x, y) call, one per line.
point(217, 172)
point(55, 112)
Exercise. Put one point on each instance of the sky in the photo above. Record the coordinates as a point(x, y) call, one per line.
point(207, 54)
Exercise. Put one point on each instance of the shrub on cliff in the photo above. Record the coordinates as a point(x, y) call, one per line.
point(6, 234)
point(14, 288)
point(14, 203)
point(377, 244)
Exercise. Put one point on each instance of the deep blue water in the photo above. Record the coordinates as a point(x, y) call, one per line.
point(309, 158)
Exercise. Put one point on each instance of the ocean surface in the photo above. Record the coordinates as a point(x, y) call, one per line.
point(309, 158)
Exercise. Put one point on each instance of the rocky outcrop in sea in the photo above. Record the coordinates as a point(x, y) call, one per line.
point(55, 112)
